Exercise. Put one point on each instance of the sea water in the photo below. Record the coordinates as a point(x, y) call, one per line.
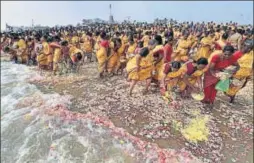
point(30, 135)
point(34, 129)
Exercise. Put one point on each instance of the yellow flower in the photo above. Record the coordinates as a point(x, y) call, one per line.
point(197, 129)
point(27, 117)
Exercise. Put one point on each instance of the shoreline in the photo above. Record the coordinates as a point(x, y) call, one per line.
point(150, 119)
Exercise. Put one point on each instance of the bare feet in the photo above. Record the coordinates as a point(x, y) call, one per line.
point(232, 99)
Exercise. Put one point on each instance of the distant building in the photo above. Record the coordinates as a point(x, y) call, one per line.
point(111, 18)
point(23, 28)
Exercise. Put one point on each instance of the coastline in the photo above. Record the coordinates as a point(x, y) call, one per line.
point(150, 119)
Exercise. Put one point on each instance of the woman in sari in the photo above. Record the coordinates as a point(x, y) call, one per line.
point(244, 73)
point(145, 39)
point(113, 58)
point(171, 79)
point(75, 39)
point(56, 48)
point(183, 46)
point(65, 59)
point(219, 45)
point(42, 58)
point(74, 65)
point(87, 47)
point(102, 54)
point(30, 49)
point(168, 49)
point(217, 34)
point(193, 71)
point(121, 52)
point(218, 63)
point(22, 50)
point(158, 54)
point(131, 48)
point(140, 67)
point(206, 44)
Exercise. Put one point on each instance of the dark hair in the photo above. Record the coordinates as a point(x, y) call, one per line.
point(225, 36)
point(202, 61)
point(79, 56)
point(29, 39)
point(6, 49)
point(15, 37)
point(207, 33)
point(50, 39)
point(229, 48)
point(176, 64)
point(57, 38)
point(158, 39)
point(103, 35)
point(97, 33)
point(64, 43)
point(45, 37)
point(239, 30)
point(144, 51)
point(140, 44)
point(89, 34)
point(118, 34)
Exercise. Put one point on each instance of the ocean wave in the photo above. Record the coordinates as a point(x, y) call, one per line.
point(37, 127)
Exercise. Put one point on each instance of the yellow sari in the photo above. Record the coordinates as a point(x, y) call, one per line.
point(97, 45)
point(56, 58)
point(222, 44)
point(182, 50)
point(192, 39)
point(146, 67)
point(23, 47)
point(146, 40)
point(245, 71)
point(120, 53)
point(43, 57)
point(204, 51)
point(87, 46)
point(74, 50)
point(217, 36)
point(101, 55)
point(194, 77)
point(74, 39)
point(131, 49)
point(173, 79)
point(112, 60)
point(159, 66)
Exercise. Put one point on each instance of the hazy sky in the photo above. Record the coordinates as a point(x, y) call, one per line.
point(71, 12)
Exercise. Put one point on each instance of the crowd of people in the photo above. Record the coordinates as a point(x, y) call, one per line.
point(181, 57)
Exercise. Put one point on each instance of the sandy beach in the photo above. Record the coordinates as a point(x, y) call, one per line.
point(151, 119)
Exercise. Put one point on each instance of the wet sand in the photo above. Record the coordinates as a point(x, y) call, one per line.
point(151, 119)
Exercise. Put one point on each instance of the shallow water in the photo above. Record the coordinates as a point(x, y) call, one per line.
point(33, 128)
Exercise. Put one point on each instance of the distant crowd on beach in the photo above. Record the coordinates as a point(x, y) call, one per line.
point(196, 59)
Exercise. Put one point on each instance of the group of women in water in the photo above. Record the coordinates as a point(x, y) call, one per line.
point(183, 58)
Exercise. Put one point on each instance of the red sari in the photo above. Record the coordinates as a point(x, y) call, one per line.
point(210, 81)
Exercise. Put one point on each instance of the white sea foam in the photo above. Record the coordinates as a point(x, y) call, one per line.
point(30, 135)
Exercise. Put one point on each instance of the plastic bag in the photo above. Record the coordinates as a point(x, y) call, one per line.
point(223, 85)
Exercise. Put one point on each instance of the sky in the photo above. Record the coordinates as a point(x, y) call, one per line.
point(51, 13)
